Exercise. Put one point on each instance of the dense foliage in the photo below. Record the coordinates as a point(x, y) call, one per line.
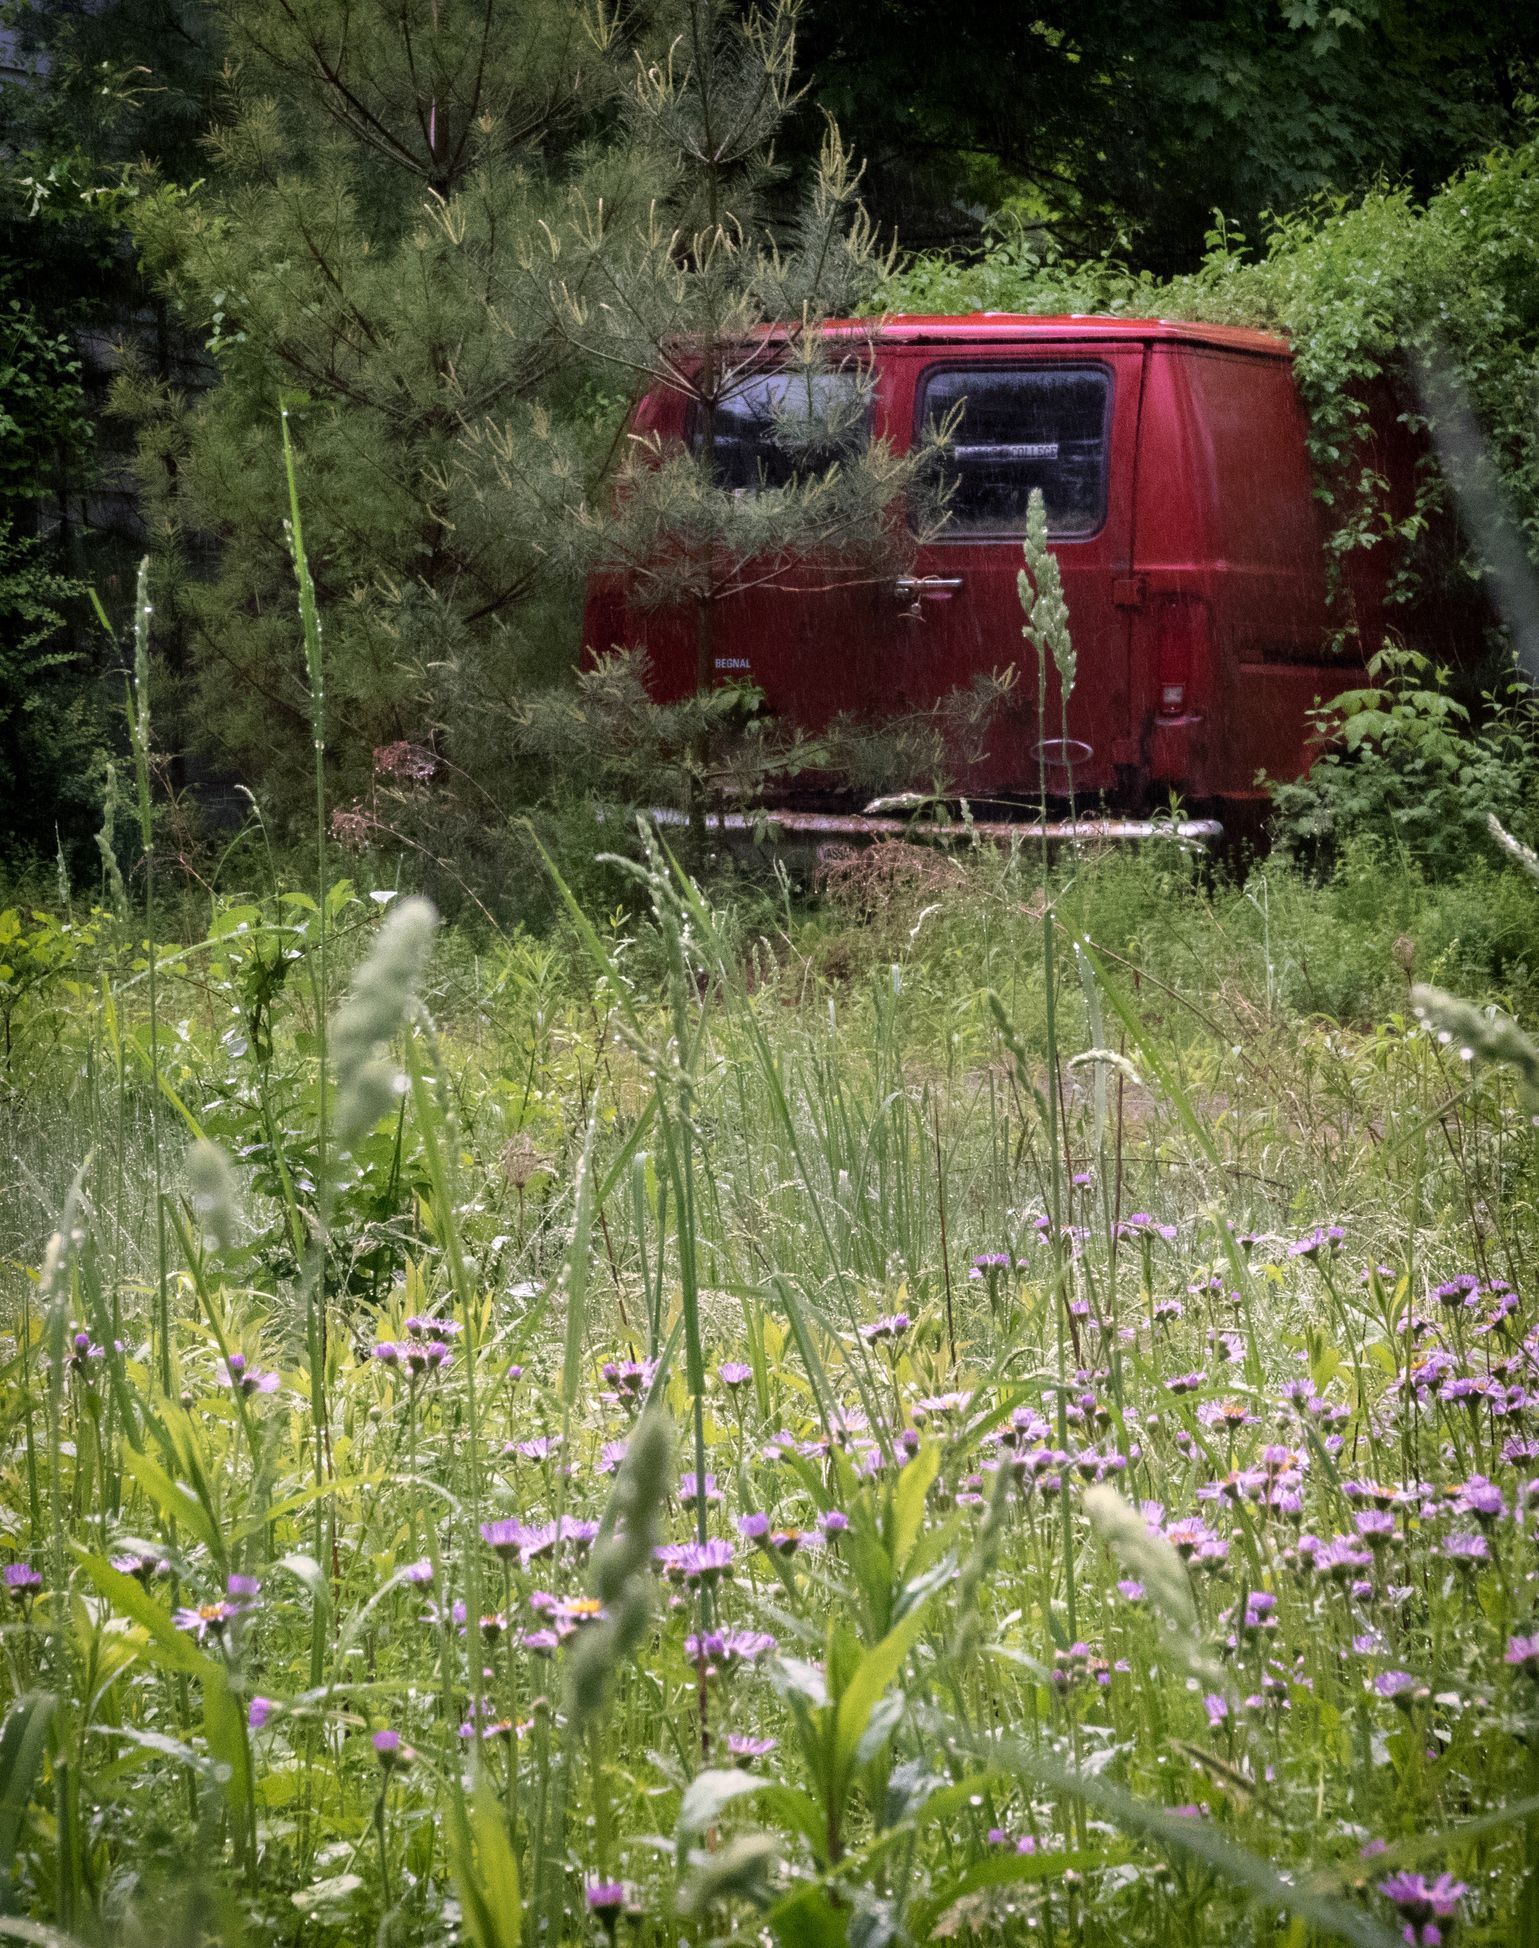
point(1118, 129)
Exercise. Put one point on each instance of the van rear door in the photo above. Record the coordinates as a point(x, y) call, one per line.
point(1061, 416)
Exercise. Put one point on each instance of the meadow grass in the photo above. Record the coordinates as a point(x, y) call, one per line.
point(972, 1407)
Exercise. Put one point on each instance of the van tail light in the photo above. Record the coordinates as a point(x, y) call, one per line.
point(1175, 655)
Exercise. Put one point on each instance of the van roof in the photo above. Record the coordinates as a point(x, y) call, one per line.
point(991, 326)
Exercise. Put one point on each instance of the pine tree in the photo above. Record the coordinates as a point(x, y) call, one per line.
point(705, 272)
point(377, 162)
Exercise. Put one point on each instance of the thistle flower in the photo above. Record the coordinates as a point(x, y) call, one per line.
point(393, 1753)
point(892, 1325)
point(142, 1567)
point(258, 1712)
point(248, 1379)
point(704, 1563)
point(505, 1537)
point(420, 1328)
point(747, 1749)
point(1319, 1245)
point(724, 1650)
point(688, 1491)
point(1523, 1656)
point(22, 1583)
point(1429, 1908)
point(734, 1374)
point(209, 1619)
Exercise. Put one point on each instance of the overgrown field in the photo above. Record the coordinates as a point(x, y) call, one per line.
point(978, 1406)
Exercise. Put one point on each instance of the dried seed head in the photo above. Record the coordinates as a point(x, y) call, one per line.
point(377, 1005)
point(214, 1194)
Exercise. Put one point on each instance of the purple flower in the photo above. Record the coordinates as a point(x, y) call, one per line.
point(1482, 1499)
point(834, 1522)
point(1322, 1243)
point(1375, 1527)
point(258, 1712)
point(1469, 1551)
point(703, 1563)
point(753, 1528)
point(1423, 1904)
point(22, 1583)
point(248, 1379)
point(418, 1328)
point(734, 1373)
point(1340, 1559)
point(418, 1575)
point(688, 1493)
point(724, 1649)
point(629, 1378)
point(143, 1568)
point(892, 1325)
point(1523, 1655)
point(1141, 1224)
point(504, 1537)
point(988, 1262)
point(611, 1454)
point(607, 1900)
point(391, 1751)
point(743, 1747)
point(1217, 1708)
point(939, 1406)
point(541, 1447)
point(209, 1619)
point(1398, 1688)
point(424, 1357)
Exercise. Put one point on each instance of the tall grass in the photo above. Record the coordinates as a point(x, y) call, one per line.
point(1076, 1393)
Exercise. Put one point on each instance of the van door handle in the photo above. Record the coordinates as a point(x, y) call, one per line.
point(915, 590)
point(911, 588)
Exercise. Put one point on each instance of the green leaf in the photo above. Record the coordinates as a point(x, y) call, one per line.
point(23, 1742)
point(485, 1871)
point(871, 1677)
point(809, 1919)
point(175, 1503)
point(908, 1501)
point(1001, 1870)
point(224, 1726)
point(709, 1793)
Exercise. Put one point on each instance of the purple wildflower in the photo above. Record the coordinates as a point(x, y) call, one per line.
point(22, 1583)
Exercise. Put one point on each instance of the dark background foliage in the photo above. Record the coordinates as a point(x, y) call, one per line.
point(209, 205)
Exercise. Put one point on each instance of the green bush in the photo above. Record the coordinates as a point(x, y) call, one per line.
point(1406, 765)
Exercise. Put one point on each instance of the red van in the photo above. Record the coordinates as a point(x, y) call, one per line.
point(1182, 512)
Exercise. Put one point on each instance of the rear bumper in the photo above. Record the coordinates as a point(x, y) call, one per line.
point(1195, 834)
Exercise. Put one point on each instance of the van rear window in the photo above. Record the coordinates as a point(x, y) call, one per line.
point(778, 427)
point(1019, 428)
